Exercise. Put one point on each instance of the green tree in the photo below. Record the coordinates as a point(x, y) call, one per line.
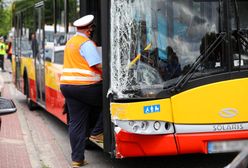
point(5, 21)
point(22, 4)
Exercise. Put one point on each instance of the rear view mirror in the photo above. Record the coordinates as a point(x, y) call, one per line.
point(6, 106)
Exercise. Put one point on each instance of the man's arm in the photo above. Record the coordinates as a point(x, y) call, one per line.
point(91, 55)
point(99, 67)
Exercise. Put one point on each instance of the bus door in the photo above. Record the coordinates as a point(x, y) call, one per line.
point(39, 56)
point(18, 51)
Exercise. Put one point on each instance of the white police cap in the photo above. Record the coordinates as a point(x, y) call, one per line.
point(84, 21)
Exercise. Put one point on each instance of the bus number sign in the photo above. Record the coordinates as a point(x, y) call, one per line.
point(151, 109)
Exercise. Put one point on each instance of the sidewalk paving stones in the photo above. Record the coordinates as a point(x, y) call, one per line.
point(25, 140)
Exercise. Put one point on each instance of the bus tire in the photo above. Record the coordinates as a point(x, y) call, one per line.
point(31, 104)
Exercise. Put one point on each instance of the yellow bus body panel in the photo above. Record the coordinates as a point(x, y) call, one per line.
point(135, 111)
point(53, 73)
point(28, 63)
point(13, 64)
point(221, 102)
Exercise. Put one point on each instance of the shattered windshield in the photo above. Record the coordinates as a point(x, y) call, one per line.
point(154, 43)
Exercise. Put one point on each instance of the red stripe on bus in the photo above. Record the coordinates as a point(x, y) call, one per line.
point(197, 143)
point(133, 145)
point(32, 89)
point(55, 103)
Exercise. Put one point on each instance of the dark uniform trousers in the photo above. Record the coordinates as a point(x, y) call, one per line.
point(2, 61)
point(84, 103)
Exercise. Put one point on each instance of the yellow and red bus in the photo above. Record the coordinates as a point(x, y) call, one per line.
point(175, 72)
point(41, 31)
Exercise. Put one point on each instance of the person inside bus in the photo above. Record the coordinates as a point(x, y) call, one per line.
point(34, 45)
point(207, 40)
point(170, 68)
point(81, 85)
point(173, 67)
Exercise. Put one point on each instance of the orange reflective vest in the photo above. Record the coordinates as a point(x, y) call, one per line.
point(76, 70)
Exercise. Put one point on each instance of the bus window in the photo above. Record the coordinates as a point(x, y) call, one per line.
point(28, 28)
point(242, 13)
point(60, 9)
point(73, 14)
point(166, 36)
point(48, 54)
point(240, 34)
point(60, 37)
point(59, 57)
point(49, 23)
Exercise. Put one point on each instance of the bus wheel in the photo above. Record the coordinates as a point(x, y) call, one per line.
point(31, 104)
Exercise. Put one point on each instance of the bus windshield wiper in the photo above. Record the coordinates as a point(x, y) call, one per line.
point(204, 56)
point(243, 39)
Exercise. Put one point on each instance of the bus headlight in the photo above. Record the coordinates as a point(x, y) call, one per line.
point(145, 127)
point(156, 125)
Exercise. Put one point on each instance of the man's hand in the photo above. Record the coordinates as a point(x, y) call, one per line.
point(99, 67)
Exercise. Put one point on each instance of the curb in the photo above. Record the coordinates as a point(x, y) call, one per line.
point(1, 84)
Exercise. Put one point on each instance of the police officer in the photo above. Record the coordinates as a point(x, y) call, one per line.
point(81, 85)
point(3, 49)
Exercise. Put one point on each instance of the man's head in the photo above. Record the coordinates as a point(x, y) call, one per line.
point(85, 25)
point(33, 36)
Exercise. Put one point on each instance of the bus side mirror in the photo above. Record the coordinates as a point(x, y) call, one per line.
point(6, 106)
